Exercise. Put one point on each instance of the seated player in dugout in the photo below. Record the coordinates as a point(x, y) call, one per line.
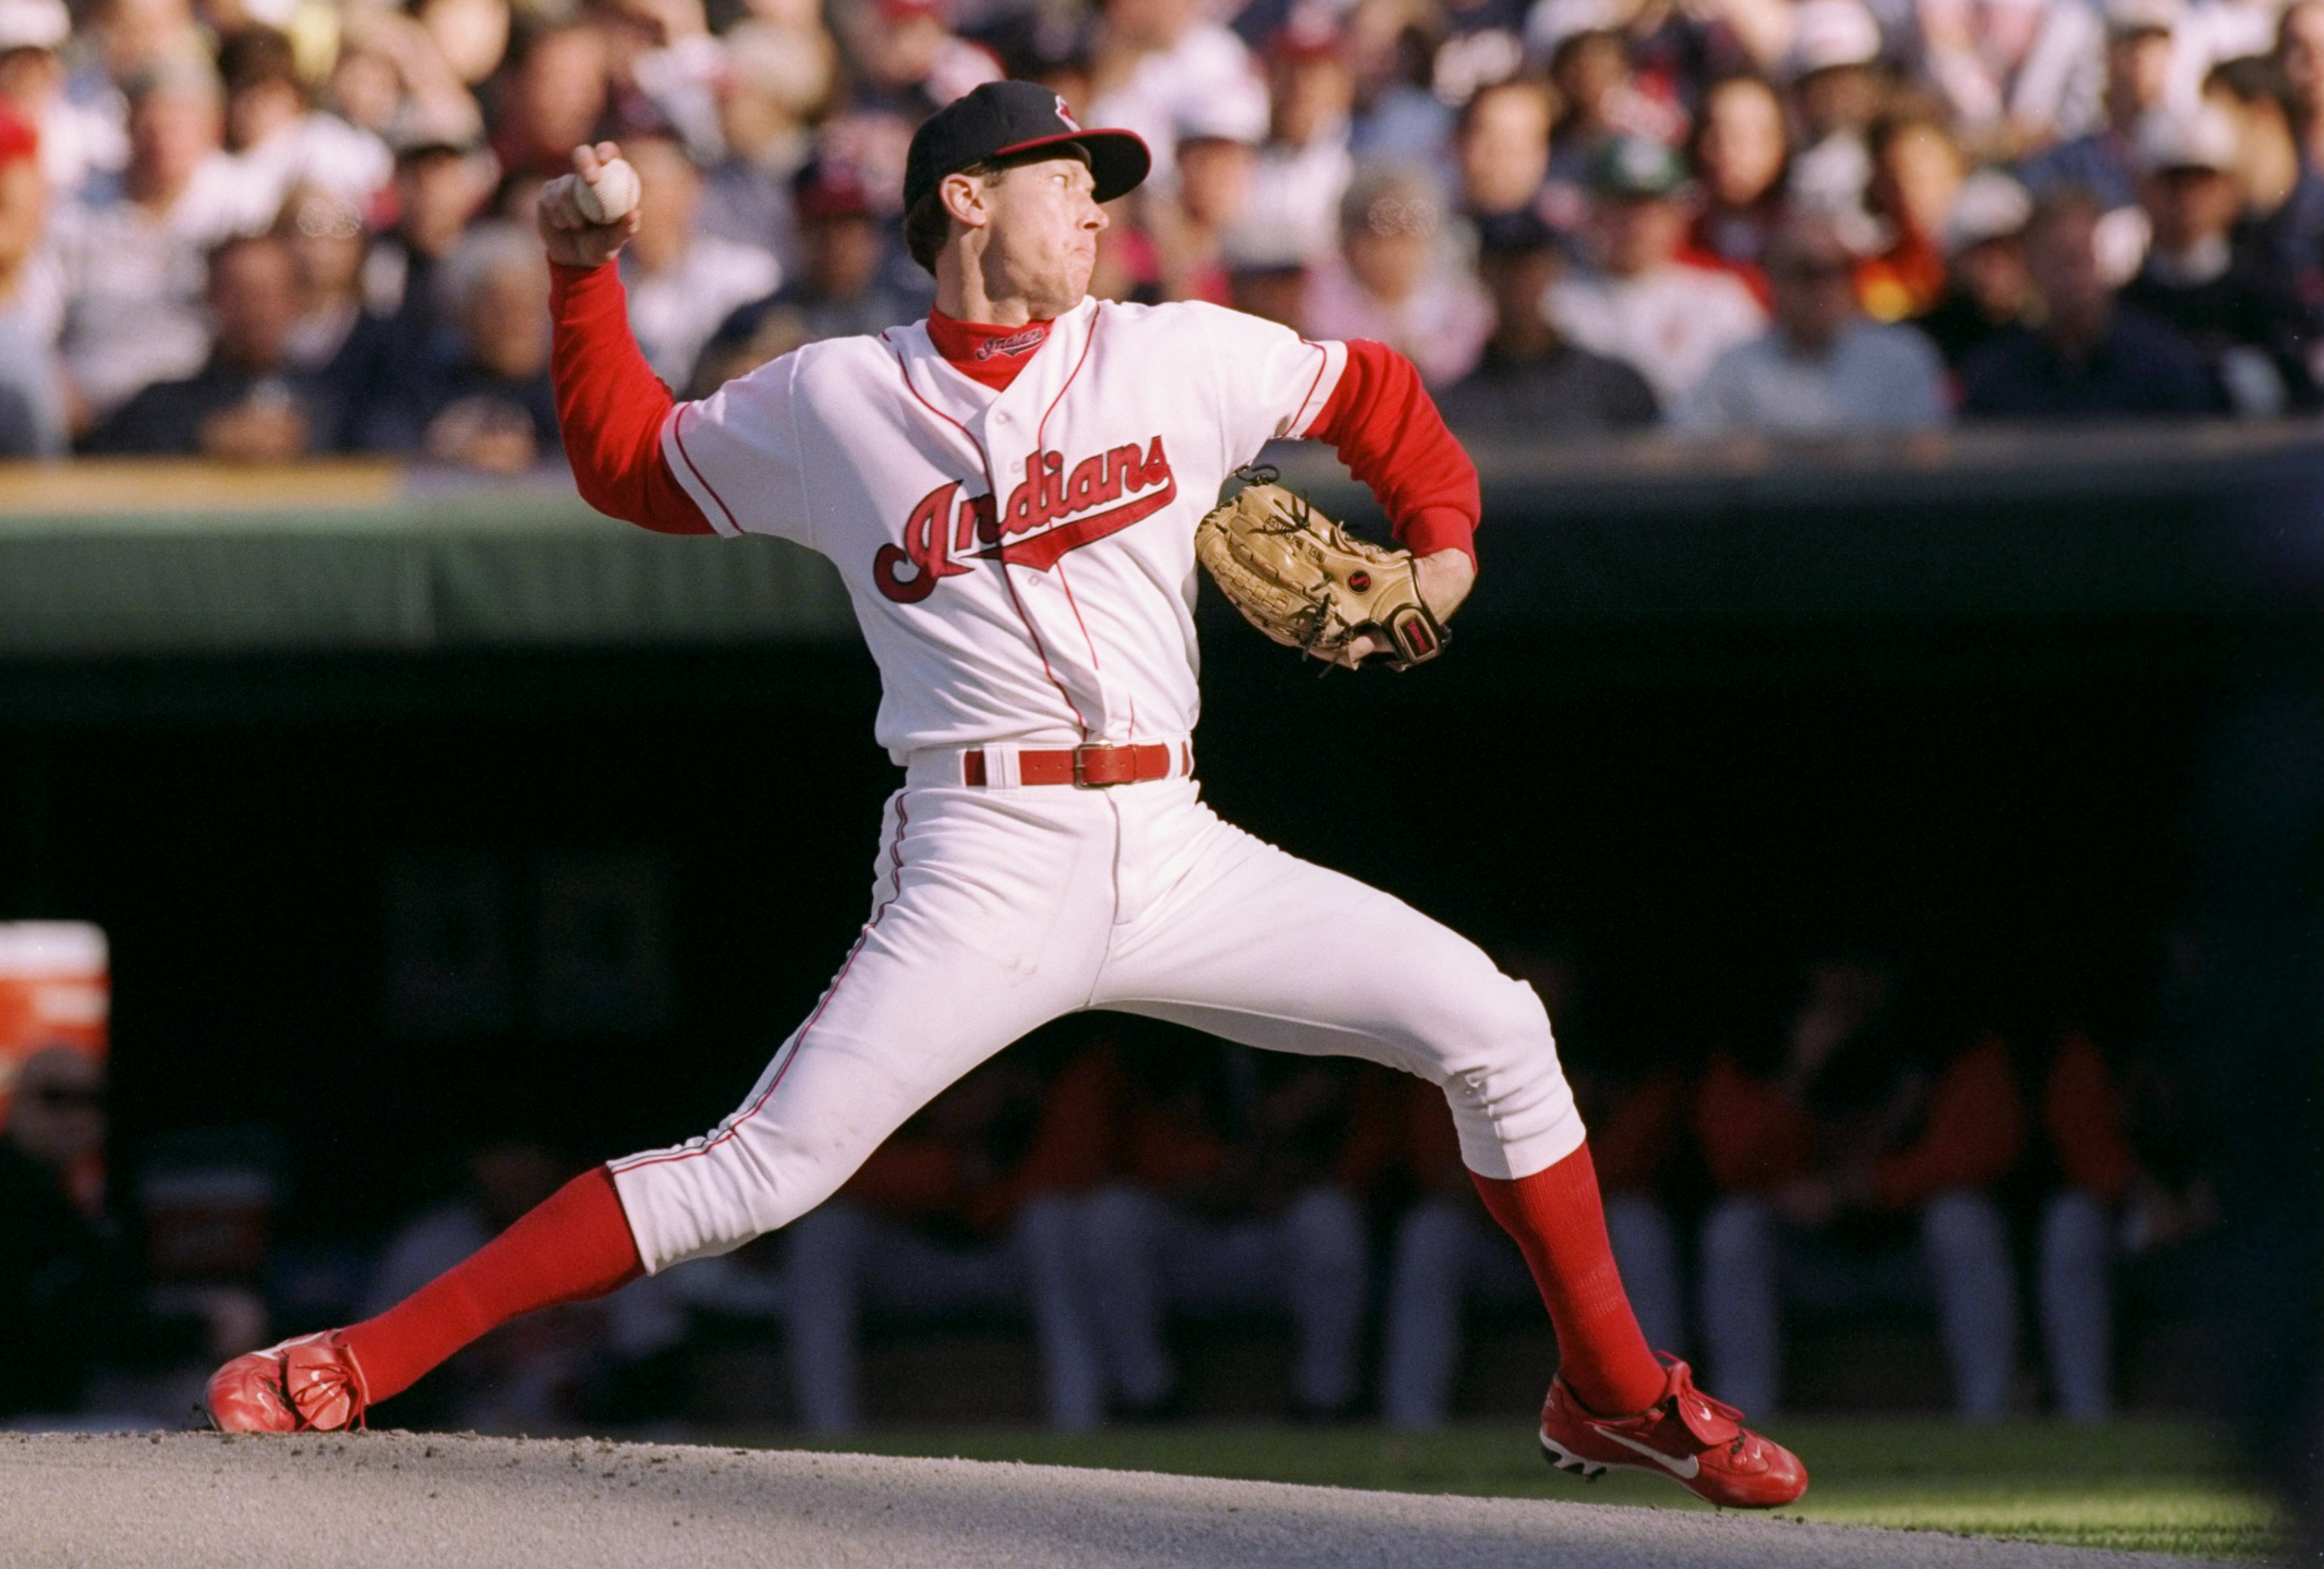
point(1240, 1186)
point(2120, 1170)
point(1009, 490)
point(975, 1205)
point(1856, 1156)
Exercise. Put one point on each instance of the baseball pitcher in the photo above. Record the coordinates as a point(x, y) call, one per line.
point(1012, 490)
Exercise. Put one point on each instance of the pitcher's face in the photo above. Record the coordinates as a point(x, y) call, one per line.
point(1045, 221)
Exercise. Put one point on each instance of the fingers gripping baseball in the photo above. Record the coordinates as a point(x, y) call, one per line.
point(587, 216)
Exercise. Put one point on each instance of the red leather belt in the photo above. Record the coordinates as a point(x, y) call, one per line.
point(1089, 767)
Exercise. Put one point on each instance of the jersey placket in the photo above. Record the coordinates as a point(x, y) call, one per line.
point(1009, 430)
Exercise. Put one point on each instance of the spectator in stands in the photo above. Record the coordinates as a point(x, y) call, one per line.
point(1856, 1172)
point(1601, 97)
point(1501, 147)
point(1273, 292)
point(2102, 161)
point(1530, 381)
point(1917, 172)
point(1642, 300)
point(1216, 154)
point(1838, 92)
point(70, 1295)
point(327, 234)
point(840, 286)
point(682, 283)
point(282, 142)
point(391, 79)
point(32, 391)
point(1392, 56)
point(1155, 62)
point(443, 177)
point(2088, 359)
point(2299, 228)
point(1304, 166)
point(132, 263)
point(555, 95)
point(777, 77)
point(1824, 369)
point(2126, 1186)
point(2251, 331)
point(2251, 94)
point(1448, 1255)
point(1986, 288)
point(1237, 1191)
point(907, 59)
point(1396, 280)
point(75, 138)
point(471, 36)
point(249, 403)
point(1741, 149)
point(482, 399)
point(2012, 75)
point(974, 1204)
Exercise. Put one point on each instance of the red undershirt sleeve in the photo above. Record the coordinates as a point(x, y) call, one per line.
point(611, 408)
point(1386, 429)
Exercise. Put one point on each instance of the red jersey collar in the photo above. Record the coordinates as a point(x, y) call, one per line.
point(984, 353)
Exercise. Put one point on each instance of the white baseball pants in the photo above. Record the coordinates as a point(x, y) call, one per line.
point(996, 909)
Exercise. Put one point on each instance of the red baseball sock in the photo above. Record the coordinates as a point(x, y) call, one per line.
point(574, 1245)
point(1558, 1219)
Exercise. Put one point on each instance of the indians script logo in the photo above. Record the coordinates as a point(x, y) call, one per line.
point(1016, 343)
point(1047, 514)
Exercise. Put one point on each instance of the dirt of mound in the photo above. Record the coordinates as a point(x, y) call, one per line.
point(418, 1502)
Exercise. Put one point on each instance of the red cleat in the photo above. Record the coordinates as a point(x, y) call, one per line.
point(307, 1385)
point(1697, 1442)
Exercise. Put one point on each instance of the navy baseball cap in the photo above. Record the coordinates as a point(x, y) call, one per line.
point(1003, 119)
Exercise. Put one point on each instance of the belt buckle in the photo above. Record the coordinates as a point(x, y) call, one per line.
point(1082, 781)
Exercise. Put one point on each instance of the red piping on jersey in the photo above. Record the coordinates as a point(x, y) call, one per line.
point(798, 1041)
point(1324, 365)
point(1082, 623)
point(677, 433)
point(1041, 444)
point(993, 489)
point(1041, 431)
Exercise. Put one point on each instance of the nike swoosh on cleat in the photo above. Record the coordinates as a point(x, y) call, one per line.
point(1686, 1469)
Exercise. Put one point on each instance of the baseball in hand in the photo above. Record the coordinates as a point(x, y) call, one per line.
point(614, 191)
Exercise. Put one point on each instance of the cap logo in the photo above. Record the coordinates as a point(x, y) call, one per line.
point(1066, 115)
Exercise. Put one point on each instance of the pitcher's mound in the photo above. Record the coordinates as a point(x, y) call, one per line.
point(400, 1501)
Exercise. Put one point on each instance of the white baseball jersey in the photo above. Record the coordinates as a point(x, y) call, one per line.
point(1022, 564)
point(1104, 454)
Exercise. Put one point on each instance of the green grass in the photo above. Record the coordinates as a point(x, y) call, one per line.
point(2137, 1486)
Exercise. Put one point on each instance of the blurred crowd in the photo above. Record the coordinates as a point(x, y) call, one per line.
point(259, 229)
point(1868, 1153)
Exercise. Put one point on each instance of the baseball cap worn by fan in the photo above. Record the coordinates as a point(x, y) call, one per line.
point(1005, 119)
point(2129, 18)
point(1990, 206)
point(1832, 35)
point(1636, 168)
point(33, 24)
point(2203, 138)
